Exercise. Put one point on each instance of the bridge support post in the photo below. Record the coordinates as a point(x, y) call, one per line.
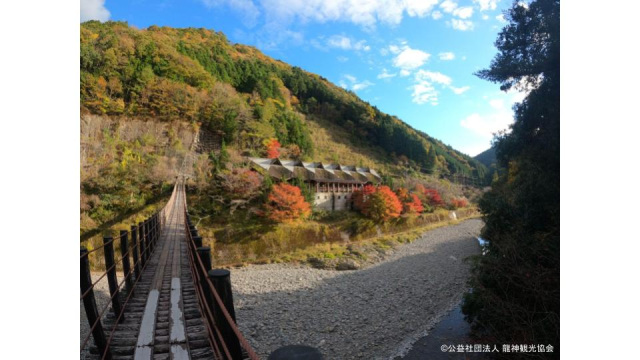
point(221, 280)
point(154, 226)
point(204, 252)
point(198, 241)
point(134, 242)
point(193, 230)
point(109, 263)
point(126, 265)
point(147, 237)
point(143, 245)
point(90, 306)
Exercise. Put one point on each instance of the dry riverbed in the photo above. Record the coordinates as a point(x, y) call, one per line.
point(373, 313)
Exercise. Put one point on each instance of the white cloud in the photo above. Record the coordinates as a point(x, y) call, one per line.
point(487, 125)
point(459, 90)
point(436, 15)
point(424, 90)
point(462, 25)
point(361, 85)
point(447, 56)
point(366, 13)
point(431, 76)
point(405, 72)
point(448, 6)
point(385, 75)
point(247, 8)
point(419, 8)
point(342, 58)
point(497, 104)
point(93, 10)
point(486, 4)
point(463, 12)
point(353, 83)
point(408, 58)
point(346, 43)
point(485, 17)
point(501, 18)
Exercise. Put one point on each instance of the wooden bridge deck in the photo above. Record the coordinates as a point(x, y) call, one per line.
point(162, 319)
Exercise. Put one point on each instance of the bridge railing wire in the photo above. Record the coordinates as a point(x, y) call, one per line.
point(221, 326)
point(144, 237)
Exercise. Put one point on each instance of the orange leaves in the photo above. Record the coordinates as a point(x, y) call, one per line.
point(431, 196)
point(459, 202)
point(273, 148)
point(414, 206)
point(286, 203)
point(380, 203)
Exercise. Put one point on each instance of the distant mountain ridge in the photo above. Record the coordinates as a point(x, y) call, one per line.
point(487, 157)
point(246, 97)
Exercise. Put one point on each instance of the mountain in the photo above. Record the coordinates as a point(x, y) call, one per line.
point(245, 97)
point(487, 157)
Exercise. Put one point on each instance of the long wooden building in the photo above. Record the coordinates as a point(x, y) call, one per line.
point(333, 183)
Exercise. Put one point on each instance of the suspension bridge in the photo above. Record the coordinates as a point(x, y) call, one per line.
point(169, 304)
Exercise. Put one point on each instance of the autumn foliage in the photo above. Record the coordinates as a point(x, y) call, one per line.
point(411, 204)
point(360, 197)
point(273, 148)
point(414, 206)
point(286, 203)
point(459, 202)
point(242, 184)
point(379, 203)
point(430, 196)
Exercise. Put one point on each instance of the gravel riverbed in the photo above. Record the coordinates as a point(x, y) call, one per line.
point(373, 313)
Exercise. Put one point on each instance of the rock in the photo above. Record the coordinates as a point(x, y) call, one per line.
point(347, 264)
point(317, 263)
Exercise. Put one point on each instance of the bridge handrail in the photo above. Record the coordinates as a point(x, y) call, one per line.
point(148, 232)
point(198, 268)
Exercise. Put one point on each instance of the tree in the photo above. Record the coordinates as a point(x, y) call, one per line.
point(286, 203)
point(379, 203)
point(413, 205)
point(457, 203)
point(272, 148)
point(516, 284)
point(361, 197)
point(242, 183)
point(430, 196)
point(383, 205)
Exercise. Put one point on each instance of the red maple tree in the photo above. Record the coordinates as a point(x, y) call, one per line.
point(360, 197)
point(273, 148)
point(430, 196)
point(286, 203)
point(379, 203)
point(414, 206)
point(459, 203)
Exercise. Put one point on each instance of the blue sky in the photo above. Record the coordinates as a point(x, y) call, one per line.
point(411, 58)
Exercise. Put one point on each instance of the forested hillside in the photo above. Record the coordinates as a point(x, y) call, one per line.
point(198, 76)
point(487, 157)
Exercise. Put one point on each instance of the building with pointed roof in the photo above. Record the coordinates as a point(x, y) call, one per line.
point(333, 184)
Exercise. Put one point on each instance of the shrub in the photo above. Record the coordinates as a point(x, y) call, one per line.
point(242, 184)
point(286, 203)
point(381, 205)
point(430, 196)
point(360, 197)
point(459, 203)
point(414, 206)
point(272, 148)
